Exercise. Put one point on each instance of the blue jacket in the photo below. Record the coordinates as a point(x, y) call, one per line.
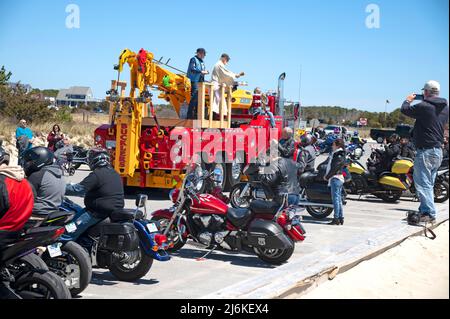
point(194, 72)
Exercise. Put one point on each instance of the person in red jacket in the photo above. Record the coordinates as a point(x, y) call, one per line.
point(54, 137)
point(16, 196)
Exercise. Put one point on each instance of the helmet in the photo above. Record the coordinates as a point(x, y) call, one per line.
point(306, 139)
point(98, 157)
point(35, 158)
point(337, 130)
point(4, 156)
point(355, 133)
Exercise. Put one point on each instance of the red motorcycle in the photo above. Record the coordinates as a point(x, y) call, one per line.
point(265, 228)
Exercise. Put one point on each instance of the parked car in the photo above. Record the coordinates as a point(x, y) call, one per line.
point(379, 135)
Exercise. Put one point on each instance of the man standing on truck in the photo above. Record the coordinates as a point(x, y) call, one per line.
point(221, 75)
point(286, 146)
point(196, 73)
point(431, 116)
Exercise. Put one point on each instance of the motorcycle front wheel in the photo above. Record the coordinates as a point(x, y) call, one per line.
point(134, 271)
point(238, 201)
point(319, 212)
point(172, 235)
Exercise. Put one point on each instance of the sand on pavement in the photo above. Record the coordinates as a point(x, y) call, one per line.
point(417, 268)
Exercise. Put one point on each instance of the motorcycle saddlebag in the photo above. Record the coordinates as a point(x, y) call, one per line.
point(319, 193)
point(267, 234)
point(118, 237)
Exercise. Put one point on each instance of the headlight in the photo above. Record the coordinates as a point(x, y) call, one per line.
point(358, 152)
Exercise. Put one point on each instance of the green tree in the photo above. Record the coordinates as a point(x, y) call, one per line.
point(4, 76)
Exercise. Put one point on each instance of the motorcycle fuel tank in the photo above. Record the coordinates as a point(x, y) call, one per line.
point(208, 204)
point(356, 169)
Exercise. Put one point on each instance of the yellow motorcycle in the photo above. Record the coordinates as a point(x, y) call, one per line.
point(387, 185)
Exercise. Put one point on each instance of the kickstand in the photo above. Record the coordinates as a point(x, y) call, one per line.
point(209, 252)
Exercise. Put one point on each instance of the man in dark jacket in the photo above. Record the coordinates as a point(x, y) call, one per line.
point(407, 148)
point(103, 187)
point(431, 116)
point(46, 177)
point(281, 177)
point(306, 154)
point(286, 146)
point(196, 73)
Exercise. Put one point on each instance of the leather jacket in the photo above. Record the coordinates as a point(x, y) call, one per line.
point(281, 177)
point(306, 159)
point(338, 162)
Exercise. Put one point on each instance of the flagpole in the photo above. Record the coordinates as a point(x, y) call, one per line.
point(385, 110)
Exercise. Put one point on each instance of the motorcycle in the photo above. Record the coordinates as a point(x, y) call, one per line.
point(23, 275)
point(68, 260)
point(126, 243)
point(386, 185)
point(266, 228)
point(315, 195)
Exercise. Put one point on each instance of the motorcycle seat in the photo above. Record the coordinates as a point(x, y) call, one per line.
point(264, 207)
point(126, 214)
point(307, 178)
point(239, 217)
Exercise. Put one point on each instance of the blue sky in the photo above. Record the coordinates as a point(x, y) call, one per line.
point(343, 62)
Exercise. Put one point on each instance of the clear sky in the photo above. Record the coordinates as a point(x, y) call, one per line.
point(343, 62)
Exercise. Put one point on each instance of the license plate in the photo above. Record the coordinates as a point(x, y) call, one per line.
point(54, 250)
point(152, 228)
point(71, 227)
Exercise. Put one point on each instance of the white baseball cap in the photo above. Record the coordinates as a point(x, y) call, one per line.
point(432, 86)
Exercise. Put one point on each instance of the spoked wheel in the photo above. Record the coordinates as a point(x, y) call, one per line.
point(236, 199)
point(390, 196)
point(440, 191)
point(172, 235)
point(319, 212)
point(132, 270)
point(40, 285)
point(73, 266)
point(275, 256)
point(234, 171)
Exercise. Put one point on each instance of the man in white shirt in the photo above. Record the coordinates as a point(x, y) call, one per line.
point(221, 75)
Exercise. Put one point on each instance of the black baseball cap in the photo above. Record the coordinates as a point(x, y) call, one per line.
point(201, 50)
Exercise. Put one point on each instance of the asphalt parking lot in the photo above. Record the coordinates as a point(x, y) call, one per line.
point(186, 277)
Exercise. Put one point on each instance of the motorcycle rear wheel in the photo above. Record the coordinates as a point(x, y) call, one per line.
point(440, 191)
point(121, 272)
point(41, 285)
point(319, 212)
point(73, 256)
point(275, 256)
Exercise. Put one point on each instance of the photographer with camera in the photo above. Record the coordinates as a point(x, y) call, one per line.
point(431, 115)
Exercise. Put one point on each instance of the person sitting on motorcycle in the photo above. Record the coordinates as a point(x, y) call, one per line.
point(281, 177)
point(103, 187)
point(391, 151)
point(46, 177)
point(286, 146)
point(306, 154)
point(16, 197)
point(407, 149)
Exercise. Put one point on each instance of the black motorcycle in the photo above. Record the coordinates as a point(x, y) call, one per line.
point(23, 275)
point(68, 260)
point(315, 195)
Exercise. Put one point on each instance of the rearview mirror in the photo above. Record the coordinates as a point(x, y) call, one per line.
point(141, 200)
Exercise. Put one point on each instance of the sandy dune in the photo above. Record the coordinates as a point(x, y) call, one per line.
point(417, 268)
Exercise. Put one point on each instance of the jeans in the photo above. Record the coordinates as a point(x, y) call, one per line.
point(192, 109)
point(293, 199)
point(426, 165)
point(336, 195)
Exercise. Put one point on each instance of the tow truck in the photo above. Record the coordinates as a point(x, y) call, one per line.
point(152, 152)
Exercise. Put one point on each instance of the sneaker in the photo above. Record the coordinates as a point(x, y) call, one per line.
point(427, 218)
